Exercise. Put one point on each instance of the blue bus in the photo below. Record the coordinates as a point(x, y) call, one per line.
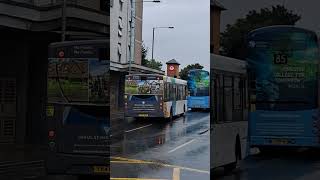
point(198, 86)
point(284, 87)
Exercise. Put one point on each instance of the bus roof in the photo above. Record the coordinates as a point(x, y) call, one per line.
point(282, 28)
point(228, 64)
point(81, 42)
point(197, 70)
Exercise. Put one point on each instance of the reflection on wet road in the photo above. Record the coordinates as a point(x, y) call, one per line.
point(158, 149)
point(294, 165)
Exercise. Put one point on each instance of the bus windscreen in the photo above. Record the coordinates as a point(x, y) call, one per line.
point(285, 67)
point(198, 83)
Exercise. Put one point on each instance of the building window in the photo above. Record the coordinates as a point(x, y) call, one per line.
point(119, 57)
point(120, 23)
point(119, 48)
point(119, 52)
point(105, 5)
point(121, 4)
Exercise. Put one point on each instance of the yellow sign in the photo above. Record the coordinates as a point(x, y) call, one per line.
point(101, 169)
point(50, 111)
point(143, 115)
point(280, 141)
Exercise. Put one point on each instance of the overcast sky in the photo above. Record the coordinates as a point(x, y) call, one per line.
point(308, 9)
point(189, 41)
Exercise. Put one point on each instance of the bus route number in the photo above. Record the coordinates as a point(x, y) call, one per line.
point(280, 59)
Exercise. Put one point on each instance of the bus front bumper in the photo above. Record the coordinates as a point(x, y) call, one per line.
point(153, 114)
point(60, 163)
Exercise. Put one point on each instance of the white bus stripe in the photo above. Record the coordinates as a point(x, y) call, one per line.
point(138, 128)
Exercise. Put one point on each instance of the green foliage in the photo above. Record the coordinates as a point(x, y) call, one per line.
point(233, 38)
point(153, 64)
point(149, 63)
point(184, 72)
point(144, 51)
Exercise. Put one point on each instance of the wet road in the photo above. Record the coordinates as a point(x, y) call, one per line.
point(158, 149)
point(294, 165)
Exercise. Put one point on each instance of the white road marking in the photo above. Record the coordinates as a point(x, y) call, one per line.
point(181, 146)
point(138, 128)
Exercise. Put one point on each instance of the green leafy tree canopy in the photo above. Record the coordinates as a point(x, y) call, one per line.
point(233, 38)
point(149, 63)
point(184, 72)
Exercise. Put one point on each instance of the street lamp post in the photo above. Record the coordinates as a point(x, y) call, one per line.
point(133, 2)
point(64, 20)
point(170, 27)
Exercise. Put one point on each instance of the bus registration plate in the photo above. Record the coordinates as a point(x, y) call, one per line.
point(143, 115)
point(280, 141)
point(100, 169)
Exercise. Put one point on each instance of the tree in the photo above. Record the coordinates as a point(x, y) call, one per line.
point(233, 38)
point(144, 51)
point(184, 72)
point(153, 64)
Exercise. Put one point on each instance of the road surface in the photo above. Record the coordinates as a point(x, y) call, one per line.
point(159, 149)
point(302, 164)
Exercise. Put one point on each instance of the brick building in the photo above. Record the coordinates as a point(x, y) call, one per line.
point(215, 12)
point(27, 27)
point(125, 45)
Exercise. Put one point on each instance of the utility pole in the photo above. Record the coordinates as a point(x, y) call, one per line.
point(152, 42)
point(63, 20)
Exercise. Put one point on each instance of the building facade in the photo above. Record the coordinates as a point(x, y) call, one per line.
point(215, 16)
point(27, 27)
point(126, 31)
point(125, 46)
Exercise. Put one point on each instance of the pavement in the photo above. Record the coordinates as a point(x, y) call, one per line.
point(22, 161)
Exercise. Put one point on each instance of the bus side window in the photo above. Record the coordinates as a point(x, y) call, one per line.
point(178, 92)
point(228, 97)
point(237, 94)
point(166, 92)
point(171, 92)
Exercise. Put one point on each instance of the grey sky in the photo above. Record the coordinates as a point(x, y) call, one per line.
point(189, 41)
point(308, 9)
